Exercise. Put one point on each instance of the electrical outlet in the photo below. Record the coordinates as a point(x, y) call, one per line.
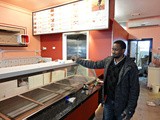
point(44, 48)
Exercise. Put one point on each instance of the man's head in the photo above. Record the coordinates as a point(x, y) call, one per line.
point(118, 49)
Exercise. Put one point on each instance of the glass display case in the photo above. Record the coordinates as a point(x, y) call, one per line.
point(46, 89)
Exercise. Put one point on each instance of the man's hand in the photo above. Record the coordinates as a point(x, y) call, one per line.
point(125, 116)
point(99, 81)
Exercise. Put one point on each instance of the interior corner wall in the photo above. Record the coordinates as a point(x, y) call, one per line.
point(118, 32)
point(146, 32)
point(12, 15)
point(50, 41)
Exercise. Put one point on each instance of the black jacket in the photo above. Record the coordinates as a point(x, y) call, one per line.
point(127, 89)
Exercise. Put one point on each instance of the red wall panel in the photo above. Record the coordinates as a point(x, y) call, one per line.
point(49, 41)
point(119, 32)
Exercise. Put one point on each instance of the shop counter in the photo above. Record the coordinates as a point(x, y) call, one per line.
point(52, 92)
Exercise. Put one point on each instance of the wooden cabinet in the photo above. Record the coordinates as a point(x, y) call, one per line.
point(153, 76)
point(86, 110)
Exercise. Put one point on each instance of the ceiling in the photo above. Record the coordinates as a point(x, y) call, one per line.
point(124, 9)
point(131, 9)
point(35, 5)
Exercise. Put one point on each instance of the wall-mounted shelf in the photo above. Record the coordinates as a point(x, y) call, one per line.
point(13, 36)
point(18, 45)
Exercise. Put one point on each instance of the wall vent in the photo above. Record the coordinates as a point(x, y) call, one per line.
point(144, 22)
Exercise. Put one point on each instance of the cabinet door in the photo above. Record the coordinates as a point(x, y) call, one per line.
point(35, 81)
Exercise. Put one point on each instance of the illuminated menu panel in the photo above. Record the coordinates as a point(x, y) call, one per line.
point(77, 16)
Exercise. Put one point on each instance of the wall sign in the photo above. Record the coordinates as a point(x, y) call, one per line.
point(76, 16)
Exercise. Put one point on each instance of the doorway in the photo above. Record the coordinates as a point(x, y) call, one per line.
point(75, 44)
point(140, 50)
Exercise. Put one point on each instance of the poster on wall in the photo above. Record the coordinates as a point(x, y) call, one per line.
point(75, 16)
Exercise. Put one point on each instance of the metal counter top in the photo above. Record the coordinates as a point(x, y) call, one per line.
point(9, 72)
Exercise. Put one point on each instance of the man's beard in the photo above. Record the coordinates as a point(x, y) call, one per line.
point(116, 56)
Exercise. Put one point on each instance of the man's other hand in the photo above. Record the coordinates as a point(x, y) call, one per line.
point(74, 58)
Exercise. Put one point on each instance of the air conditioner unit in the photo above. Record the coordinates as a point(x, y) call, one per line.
point(144, 22)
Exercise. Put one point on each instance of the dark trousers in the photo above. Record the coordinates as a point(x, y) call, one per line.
point(109, 111)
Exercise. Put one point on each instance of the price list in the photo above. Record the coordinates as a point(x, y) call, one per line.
point(76, 16)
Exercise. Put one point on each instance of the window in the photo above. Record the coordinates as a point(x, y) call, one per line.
point(75, 44)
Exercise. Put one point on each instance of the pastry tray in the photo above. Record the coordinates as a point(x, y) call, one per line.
point(40, 95)
point(15, 106)
point(76, 81)
point(58, 88)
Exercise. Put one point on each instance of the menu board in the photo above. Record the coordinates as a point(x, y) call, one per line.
point(76, 16)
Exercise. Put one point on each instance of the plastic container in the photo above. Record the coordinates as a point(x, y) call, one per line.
point(23, 39)
point(155, 88)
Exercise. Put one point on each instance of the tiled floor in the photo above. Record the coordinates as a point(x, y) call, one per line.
point(143, 111)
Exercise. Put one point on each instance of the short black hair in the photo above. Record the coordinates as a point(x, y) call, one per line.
point(121, 43)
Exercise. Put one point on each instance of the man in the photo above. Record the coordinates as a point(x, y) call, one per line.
point(121, 84)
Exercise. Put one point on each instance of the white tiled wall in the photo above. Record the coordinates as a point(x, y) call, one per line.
point(19, 61)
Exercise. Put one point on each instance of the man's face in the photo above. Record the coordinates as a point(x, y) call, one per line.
point(117, 51)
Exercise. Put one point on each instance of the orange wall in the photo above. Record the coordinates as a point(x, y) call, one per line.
point(146, 32)
point(49, 41)
point(19, 17)
point(99, 46)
